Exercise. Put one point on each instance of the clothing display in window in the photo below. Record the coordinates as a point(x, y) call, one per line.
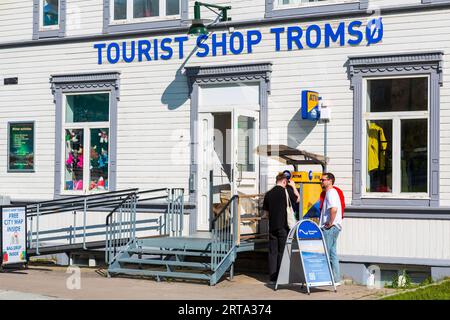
point(377, 146)
point(74, 159)
point(99, 160)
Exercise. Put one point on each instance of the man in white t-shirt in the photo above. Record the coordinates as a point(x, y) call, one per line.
point(331, 221)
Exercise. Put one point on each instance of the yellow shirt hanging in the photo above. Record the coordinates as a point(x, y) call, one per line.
point(377, 157)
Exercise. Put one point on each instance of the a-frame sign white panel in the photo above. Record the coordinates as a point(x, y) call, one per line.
point(305, 258)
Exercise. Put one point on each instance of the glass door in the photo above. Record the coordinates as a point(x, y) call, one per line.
point(245, 161)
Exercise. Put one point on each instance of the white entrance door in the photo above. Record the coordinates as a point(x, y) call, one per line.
point(228, 163)
point(205, 156)
point(245, 161)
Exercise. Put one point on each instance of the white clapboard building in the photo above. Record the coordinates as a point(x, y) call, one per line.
point(121, 86)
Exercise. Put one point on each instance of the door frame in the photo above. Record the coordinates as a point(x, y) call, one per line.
point(206, 145)
point(198, 76)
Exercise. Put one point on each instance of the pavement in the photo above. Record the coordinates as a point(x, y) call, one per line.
point(51, 282)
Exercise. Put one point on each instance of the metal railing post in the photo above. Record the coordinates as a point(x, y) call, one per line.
point(37, 228)
point(74, 234)
point(31, 232)
point(182, 213)
point(84, 223)
point(135, 200)
point(235, 221)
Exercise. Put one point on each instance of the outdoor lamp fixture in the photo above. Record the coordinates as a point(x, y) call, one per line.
point(198, 27)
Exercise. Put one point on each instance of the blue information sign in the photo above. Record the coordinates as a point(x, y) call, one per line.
point(313, 254)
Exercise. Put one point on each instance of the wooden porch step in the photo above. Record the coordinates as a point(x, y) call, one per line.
point(196, 265)
point(254, 236)
point(153, 273)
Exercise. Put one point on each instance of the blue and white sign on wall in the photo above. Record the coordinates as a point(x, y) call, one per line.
point(310, 105)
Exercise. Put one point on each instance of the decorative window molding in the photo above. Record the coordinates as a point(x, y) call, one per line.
point(305, 11)
point(394, 65)
point(84, 83)
point(39, 32)
point(228, 74)
point(109, 27)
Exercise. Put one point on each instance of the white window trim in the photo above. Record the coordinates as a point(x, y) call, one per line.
point(130, 19)
point(396, 117)
point(86, 142)
point(41, 17)
point(311, 4)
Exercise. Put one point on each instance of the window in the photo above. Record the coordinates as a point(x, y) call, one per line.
point(50, 13)
point(284, 8)
point(86, 142)
point(396, 131)
point(132, 15)
point(396, 128)
point(281, 3)
point(246, 144)
point(136, 10)
point(49, 18)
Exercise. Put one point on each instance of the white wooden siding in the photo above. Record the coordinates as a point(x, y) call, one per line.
point(154, 139)
point(86, 17)
point(16, 20)
point(396, 238)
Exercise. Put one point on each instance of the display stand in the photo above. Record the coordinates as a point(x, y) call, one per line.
point(305, 258)
point(13, 237)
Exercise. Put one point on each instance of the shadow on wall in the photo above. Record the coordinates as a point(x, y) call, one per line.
point(299, 129)
point(177, 92)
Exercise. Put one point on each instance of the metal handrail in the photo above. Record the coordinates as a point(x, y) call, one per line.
point(99, 195)
point(114, 239)
point(121, 221)
point(225, 233)
point(74, 203)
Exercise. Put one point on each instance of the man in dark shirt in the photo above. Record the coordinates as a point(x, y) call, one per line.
point(275, 205)
point(294, 195)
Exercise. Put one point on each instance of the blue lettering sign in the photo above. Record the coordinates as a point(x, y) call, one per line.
point(240, 43)
point(297, 37)
point(374, 31)
point(334, 36)
point(219, 44)
point(203, 46)
point(277, 32)
point(294, 34)
point(254, 37)
point(353, 30)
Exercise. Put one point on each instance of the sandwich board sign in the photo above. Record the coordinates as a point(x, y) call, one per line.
point(305, 258)
point(13, 238)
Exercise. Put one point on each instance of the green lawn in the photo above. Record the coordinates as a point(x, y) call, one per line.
point(433, 292)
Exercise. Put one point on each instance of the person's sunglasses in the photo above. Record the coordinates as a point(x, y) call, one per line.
point(324, 179)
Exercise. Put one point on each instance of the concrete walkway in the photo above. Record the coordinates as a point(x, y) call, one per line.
point(41, 283)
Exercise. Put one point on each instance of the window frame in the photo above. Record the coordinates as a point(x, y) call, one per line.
point(111, 26)
point(39, 30)
point(277, 6)
point(274, 10)
point(411, 64)
point(130, 12)
point(41, 17)
point(86, 127)
point(396, 118)
point(96, 82)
